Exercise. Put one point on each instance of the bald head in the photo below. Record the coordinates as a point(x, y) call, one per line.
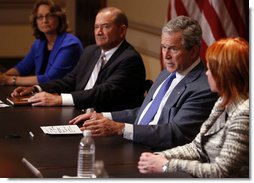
point(119, 16)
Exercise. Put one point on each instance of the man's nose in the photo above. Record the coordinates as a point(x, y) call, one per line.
point(168, 54)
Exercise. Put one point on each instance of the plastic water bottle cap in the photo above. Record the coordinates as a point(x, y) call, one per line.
point(87, 133)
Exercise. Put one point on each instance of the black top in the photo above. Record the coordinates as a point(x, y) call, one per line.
point(45, 60)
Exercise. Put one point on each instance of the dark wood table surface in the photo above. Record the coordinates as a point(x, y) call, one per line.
point(56, 155)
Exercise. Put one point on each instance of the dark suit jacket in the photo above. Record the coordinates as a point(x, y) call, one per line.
point(188, 106)
point(120, 84)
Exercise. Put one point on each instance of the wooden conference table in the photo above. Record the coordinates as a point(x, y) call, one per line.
point(56, 155)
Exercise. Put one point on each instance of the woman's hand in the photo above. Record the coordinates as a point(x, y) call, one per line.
point(151, 163)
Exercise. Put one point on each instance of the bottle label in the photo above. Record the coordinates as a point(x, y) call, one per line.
point(86, 164)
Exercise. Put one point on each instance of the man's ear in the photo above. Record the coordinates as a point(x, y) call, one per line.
point(123, 29)
point(195, 51)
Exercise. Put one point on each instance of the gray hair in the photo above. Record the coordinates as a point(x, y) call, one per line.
point(190, 28)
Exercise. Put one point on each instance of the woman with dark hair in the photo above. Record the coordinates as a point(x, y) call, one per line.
point(54, 53)
point(221, 149)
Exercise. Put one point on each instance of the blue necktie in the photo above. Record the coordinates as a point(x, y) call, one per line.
point(152, 110)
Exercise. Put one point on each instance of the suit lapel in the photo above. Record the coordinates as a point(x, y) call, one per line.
point(163, 75)
point(88, 67)
point(178, 91)
point(218, 125)
point(116, 56)
point(154, 87)
point(57, 46)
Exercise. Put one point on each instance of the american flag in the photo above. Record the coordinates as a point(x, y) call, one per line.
point(218, 18)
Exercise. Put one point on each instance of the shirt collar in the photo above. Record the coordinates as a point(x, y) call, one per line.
point(186, 71)
point(110, 52)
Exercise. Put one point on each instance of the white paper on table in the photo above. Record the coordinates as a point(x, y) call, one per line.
point(3, 104)
point(61, 129)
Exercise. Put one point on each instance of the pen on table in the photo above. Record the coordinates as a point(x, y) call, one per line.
point(34, 170)
point(31, 134)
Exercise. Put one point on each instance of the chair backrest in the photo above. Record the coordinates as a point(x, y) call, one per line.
point(148, 84)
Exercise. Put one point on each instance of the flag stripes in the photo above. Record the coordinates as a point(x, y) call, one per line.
point(217, 18)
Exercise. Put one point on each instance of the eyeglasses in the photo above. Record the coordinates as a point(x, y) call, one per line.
point(48, 16)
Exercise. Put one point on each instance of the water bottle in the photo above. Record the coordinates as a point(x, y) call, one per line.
point(86, 156)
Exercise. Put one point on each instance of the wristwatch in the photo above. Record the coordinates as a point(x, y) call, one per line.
point(165, 167)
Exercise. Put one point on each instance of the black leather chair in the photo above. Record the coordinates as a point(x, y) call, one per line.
point(148, 84)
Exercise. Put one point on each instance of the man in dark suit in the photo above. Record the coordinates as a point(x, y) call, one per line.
point(185, 105)
point(109, 75)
